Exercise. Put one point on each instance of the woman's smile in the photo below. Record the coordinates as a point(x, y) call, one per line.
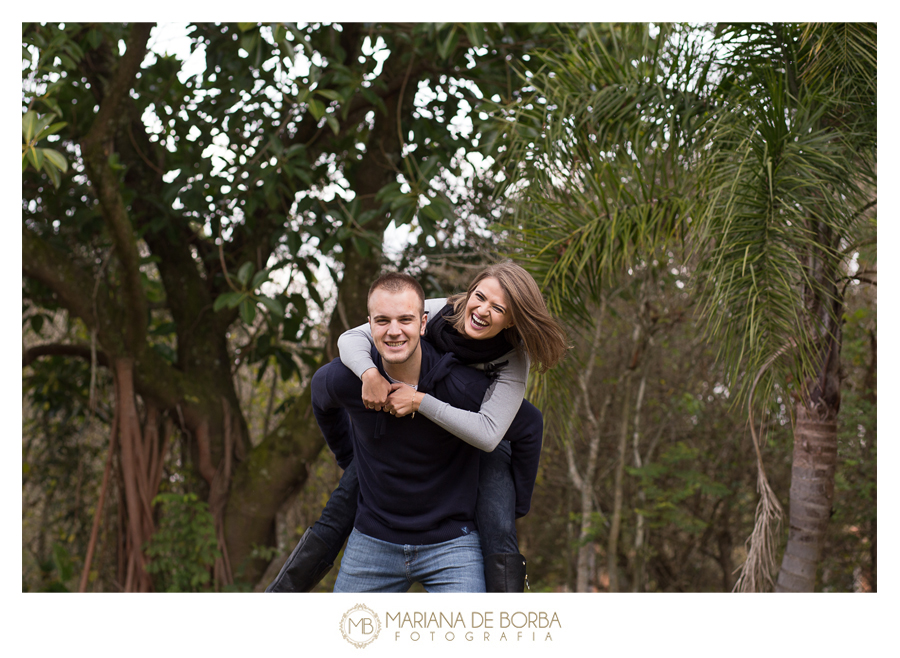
point(488, 310)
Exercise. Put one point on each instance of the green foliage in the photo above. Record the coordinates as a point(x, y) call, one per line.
point(246, 299)
point(743, 131)
point(238, 155)
point(266, 553)
point(58, 572)
point(597, 528)
point(670, 482)
point(62, 462)
point(595, 154)
point(34, 129)
point(183, 549)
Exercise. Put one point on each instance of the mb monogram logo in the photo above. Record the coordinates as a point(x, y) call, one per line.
point(360, 626)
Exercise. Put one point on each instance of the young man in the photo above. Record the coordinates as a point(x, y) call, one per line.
point(417, 482)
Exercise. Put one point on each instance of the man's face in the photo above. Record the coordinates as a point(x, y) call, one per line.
point(397, 322)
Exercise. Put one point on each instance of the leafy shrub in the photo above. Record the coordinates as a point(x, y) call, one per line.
point(183, 549)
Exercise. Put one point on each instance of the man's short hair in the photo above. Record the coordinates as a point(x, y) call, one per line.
point(395, 282)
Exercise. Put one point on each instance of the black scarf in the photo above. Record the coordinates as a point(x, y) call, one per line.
point(445, 338)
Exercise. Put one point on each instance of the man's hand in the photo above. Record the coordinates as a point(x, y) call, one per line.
point(403, 400)
point(375, 389)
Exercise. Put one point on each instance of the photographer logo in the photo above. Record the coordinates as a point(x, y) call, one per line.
point(360, 626)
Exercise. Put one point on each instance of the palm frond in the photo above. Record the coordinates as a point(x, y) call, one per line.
point(631, 142)
point(776, 180)
point(600, 173)
point(844, 55)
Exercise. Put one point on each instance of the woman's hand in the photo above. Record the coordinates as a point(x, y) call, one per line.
point(403, 400)
point(375, 389)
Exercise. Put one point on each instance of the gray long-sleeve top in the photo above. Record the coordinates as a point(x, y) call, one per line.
point(483, 429)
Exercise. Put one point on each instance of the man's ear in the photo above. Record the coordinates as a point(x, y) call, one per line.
point(424, 324)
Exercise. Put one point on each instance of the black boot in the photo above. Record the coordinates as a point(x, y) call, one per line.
point(305, 566)
point(504, 572)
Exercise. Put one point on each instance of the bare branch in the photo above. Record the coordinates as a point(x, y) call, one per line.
point(97, 147)
point(104, 126)
point(61, 349)
point(72, 285)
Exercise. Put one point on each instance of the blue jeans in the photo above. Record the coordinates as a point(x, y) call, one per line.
point(495, 510)
point(372, 565)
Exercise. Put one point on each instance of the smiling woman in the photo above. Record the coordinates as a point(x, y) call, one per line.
point(505, 293)
point(486, 311)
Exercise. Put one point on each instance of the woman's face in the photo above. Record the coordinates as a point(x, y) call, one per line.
point(487, 310)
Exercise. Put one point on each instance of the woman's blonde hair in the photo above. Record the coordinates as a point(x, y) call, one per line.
point(534, 329)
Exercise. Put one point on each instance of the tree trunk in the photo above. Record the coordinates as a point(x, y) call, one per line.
point(140, 462)
point(274, 471)
point(874, 554)
point(812, 493)
point(586, 561)
point(98, 514)
point(616, 523)
point(870, 387)
point(639, 523)
point(584, 482)
point(815, 432)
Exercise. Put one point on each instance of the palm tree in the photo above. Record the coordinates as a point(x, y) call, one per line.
point(752, 145)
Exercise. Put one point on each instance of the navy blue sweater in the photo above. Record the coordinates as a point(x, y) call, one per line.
point(417, 482)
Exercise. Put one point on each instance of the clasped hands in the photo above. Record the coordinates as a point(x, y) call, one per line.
point(396, 399)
